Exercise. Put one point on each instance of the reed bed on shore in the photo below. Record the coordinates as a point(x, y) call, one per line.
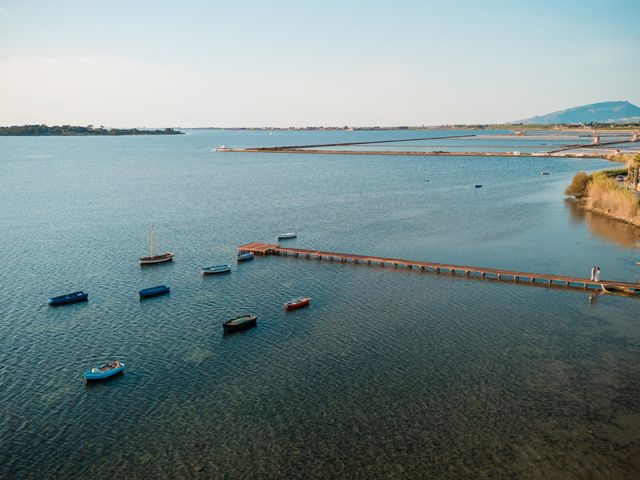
point(606, 196)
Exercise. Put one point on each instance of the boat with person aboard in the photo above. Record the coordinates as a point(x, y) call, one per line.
point(223, 268)
point(244, 256)
point(154, 291)
point(284, 236)
point(297, 303)
point(152, 259)
point(74, 297)
point(104, 371)
point(239, 323)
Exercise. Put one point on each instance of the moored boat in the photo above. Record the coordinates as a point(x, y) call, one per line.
point(68, 298)
point(284, 236)
point(244, 256)
point(104, 371)
point(239, 323)
point(154, 291)
point(297, 303)
point(478, 185)
point(151, 259)
point(224, 268)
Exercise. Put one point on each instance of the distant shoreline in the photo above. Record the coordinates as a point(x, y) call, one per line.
point(77, 131)
point(626, 127)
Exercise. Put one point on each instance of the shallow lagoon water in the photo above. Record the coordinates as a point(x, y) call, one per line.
point(389, 374)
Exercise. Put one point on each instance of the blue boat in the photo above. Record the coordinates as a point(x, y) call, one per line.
point(69, 298)
point(224, 268)
point(153, 291)
point(104, 371)
point(245, 256)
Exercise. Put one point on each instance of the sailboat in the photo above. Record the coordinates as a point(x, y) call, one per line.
point(151, 259)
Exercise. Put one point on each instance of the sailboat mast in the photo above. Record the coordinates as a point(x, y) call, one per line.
point(153, 238)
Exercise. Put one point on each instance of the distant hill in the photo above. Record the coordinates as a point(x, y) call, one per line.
point(603, 112)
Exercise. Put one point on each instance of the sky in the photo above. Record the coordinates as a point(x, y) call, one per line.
point(300, 63)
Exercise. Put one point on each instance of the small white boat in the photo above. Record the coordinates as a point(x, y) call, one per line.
point(244, 256)
point(221, 148)
point(284, 236)
point(224, 268)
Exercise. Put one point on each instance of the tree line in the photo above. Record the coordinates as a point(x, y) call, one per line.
point(44, 130)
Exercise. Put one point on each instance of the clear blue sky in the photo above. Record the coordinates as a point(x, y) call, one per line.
point(281, 63)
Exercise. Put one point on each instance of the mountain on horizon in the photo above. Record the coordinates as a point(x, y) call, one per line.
point(603, 112)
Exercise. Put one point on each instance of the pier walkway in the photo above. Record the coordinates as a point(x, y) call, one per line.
point(525, 278)
point(411, 153)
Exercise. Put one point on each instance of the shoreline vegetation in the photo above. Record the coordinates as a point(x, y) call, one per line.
point(613, 193)
point(70, 130)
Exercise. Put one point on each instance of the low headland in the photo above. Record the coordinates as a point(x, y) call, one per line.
point(71, 130)
point(614, 193)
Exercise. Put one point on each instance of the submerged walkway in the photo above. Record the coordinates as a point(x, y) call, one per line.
point(525, 278)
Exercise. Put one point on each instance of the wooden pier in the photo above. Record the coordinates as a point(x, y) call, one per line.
point(412, 153)
point(512, 276)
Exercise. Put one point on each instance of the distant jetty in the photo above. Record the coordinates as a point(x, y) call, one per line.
point(70, 130)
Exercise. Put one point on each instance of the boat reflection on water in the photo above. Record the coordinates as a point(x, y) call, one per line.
point(620, 233)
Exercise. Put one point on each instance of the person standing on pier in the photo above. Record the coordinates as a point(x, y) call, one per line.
point(593, 273)
point(597, 275)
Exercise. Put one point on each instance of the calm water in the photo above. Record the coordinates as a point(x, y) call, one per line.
point(389, 374)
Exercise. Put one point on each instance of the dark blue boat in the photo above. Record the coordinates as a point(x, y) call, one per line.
point(153, 291)
point(69, 298)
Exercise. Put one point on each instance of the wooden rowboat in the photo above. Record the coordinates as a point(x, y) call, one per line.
point(153, 291)
point(224, 268)
point(68, 298)
point(104, 371)
point(284, 236)
point(243, 257)
point(239, 323)
point(297, 303)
